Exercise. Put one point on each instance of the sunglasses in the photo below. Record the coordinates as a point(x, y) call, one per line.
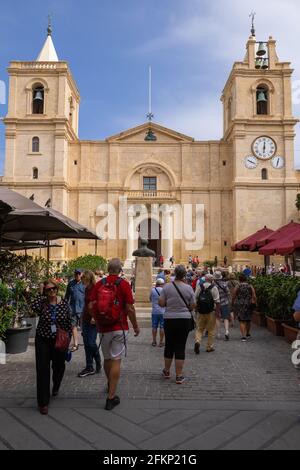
point(49, 289)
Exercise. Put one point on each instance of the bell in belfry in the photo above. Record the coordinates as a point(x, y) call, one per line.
point(258, 63)
point(262, 97)
point(38, 96)
point(265, 64)
point(261, 49)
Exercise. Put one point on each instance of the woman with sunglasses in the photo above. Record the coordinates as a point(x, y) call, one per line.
point(53, 313)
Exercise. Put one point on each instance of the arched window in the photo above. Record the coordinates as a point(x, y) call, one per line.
point(38, 99)
point(35, 174)
point(262, 100)
point(35, 144)
point(264, 174)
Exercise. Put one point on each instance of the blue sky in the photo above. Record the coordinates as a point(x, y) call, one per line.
point(109, 44)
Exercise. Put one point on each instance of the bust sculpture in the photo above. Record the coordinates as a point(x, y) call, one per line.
point(144, 251)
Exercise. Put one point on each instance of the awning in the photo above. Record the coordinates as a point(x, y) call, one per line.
point(253, 242)
point(282, 242)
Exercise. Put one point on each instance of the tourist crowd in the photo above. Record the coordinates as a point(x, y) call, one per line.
point(205, 301)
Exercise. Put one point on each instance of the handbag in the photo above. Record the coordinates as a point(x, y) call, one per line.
point(192, 321)
point(62, 341)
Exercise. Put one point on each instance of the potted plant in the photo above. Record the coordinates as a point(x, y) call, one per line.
point(259, 315)
point(281, 295)
point(6, 311)
point(291, 329)
point(275, 297)
point(29, 317)
point(17, 336)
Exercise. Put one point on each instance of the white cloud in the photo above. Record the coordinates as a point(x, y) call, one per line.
point(220, 30)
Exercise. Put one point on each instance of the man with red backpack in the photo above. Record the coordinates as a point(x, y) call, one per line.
point(112, 305)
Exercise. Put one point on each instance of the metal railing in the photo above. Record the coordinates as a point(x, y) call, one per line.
point(150, 195)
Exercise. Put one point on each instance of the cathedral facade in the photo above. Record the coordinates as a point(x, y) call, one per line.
point(187, 197)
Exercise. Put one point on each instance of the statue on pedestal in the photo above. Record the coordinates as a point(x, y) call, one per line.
point(143, 274)
point(144, 251)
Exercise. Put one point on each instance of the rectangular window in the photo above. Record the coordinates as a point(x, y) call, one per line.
point(150, 184)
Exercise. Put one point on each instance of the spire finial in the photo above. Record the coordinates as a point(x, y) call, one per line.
point(150, 115)
point(49, 29)
point(252, 16)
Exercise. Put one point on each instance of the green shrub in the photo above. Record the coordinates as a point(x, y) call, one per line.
point(209, 264)
point(87, 263)
point(7, 314)
point(276, 295)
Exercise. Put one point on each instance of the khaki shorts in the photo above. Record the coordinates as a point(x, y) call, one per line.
point(114, 345)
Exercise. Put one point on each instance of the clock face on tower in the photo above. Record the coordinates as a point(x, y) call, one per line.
point(264, 148)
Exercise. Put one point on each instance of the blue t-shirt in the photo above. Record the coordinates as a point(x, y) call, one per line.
point(161, 276)
point(155, 295)
point(75, 295)
point(247, 272)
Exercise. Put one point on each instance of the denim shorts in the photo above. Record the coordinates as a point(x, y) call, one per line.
point(225, 312)
point(158, 321)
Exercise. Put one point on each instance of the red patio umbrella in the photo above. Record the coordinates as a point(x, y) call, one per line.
point(282, 241)
point(252, 242)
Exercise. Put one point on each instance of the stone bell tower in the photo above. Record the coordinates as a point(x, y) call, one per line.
point(42, 120)
point(260, 127)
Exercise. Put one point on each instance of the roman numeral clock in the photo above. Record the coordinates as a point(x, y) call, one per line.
point(264, 148)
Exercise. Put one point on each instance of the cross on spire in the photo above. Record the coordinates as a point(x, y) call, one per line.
point(49, 29)
point(252, 16)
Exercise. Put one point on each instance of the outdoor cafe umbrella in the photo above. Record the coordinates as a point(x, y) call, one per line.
point(252, 242)
point(12, 245)
point(282, 242)
point(22, 219)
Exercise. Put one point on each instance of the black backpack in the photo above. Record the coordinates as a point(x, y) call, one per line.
point(205, 301)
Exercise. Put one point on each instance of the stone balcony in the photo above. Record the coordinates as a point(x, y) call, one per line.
point(151, 195)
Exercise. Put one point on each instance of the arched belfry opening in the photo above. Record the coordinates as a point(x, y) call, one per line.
point(262, 100)
point(38, 99)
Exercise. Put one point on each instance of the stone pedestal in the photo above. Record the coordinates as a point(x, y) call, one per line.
point(143, 281)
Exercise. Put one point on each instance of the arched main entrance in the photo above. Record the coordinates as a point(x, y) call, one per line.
point(150, 229)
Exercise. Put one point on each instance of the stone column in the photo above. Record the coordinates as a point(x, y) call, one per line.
point(130, 239)
point(167, 234)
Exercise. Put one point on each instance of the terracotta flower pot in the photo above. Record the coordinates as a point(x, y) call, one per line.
point(290, 333)
point(275, 326)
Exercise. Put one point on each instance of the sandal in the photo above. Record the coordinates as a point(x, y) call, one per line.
point(74, 349)
point(162, 345)
point(154, 344)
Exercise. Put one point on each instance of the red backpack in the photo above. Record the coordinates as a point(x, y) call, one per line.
point(108, 310)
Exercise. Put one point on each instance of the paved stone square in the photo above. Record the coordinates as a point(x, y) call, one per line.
point(243, 396)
